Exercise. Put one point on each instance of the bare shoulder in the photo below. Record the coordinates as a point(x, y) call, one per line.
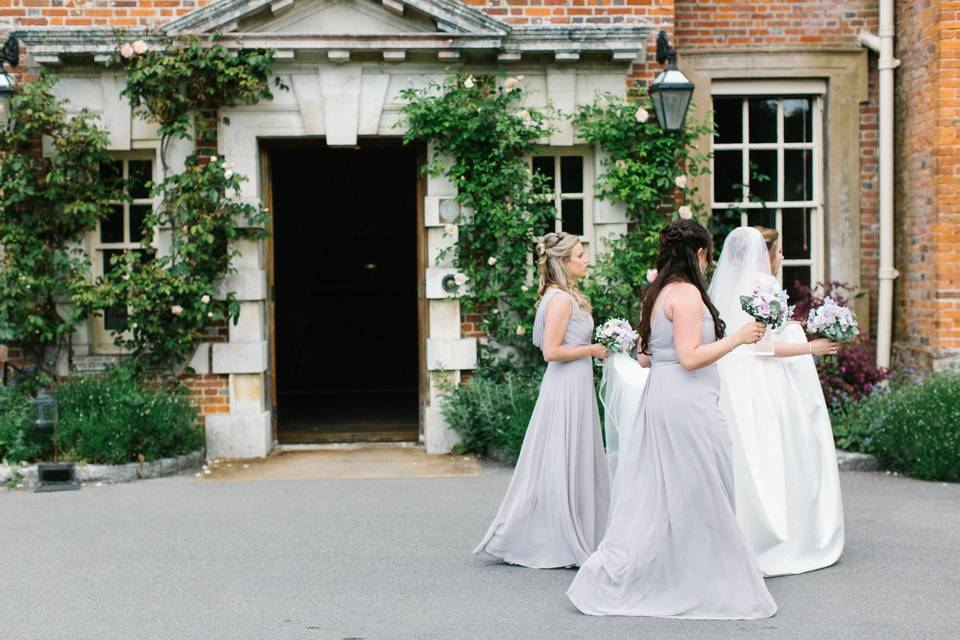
point(685, 297)
point(561, 303)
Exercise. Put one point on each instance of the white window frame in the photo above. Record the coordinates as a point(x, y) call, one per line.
point(780, 90)
point(585, 152)
point(102, 340)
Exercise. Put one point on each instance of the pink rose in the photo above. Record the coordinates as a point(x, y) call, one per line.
point(140, 47)
point(176, 310)
point(126, 51)
point(651, 275)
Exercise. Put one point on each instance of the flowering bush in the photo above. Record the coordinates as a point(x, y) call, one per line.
point(647, 170)
point(47, 204)
point(489, 138)
point(851, 375)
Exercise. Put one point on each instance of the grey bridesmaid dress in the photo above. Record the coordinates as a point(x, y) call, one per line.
point(555, 510)
point(673, 547)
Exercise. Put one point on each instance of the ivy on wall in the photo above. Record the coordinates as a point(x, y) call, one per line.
point(480, 124)
point(169, 295)
point(648, 170)
point(47, 204)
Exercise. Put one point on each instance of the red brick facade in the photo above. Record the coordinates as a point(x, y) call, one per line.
point(928, 110)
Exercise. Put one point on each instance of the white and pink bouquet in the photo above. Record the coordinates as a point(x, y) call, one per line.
point(833, 321)
point(617, 335)
point(767, 304)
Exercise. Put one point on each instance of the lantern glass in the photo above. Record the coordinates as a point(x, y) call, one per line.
point(6, 90)
point(671, 92)
point(46, 407)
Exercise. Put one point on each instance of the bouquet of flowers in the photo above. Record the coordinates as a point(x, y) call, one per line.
point(833, 321)
point(767, 305)
point(616, 335)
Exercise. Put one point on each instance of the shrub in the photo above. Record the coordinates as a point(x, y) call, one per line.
point(912, 427)
point(851, 375)
point(20, 440)
point(492, 416)
point(113, 420)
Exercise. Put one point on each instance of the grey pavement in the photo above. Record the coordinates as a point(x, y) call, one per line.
point(390, 559)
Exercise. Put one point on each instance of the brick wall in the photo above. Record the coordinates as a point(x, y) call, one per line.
point(917, 178)
point(210, 391)
point(93, 13)
point(717, 24)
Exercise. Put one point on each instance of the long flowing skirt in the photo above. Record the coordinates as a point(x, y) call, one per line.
point(673, 547)
point(555, 510)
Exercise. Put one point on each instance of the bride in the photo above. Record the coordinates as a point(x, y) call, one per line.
point(785, 468)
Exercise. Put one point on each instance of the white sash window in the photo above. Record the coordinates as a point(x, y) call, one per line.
point(768, 167)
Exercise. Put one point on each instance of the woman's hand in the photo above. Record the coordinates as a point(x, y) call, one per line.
point(597, 350)
point(749, 333)
point(823, 347)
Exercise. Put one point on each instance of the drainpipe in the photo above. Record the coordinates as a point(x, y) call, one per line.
point(883, 45)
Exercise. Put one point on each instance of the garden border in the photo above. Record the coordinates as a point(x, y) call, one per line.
point(129, 472)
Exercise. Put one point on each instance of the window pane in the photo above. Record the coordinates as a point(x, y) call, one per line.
point(722, 222)
point(797, 120)
point(762, 218)
point(141, 172)
point(727, 176)
point(763, 120)
point(796, 233)
point(728, 119)
point(798, 174)
point(137, 213)
point(763, 175)
point(107, 257)
point(111, 170)
point(115, 319)
point(111, 228)
point(571, 174)
point(572, 214)
point(544, 166)
point(792, 275)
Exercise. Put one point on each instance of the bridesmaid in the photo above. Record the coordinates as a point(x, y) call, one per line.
point(673, 548)
point(555, 509)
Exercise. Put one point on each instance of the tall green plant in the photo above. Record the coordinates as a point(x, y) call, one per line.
point(648, 170)
point(169, 294)
point(489, 137)
point(47, 203)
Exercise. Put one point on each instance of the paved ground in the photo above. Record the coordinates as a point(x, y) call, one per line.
point(389, 560)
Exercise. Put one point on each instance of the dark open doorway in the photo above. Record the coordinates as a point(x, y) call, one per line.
point(345, 247)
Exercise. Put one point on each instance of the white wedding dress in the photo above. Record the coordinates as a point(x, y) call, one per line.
point(787, 485)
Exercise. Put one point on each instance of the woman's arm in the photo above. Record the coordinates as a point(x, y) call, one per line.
point(685, 310)
point(644, 360)
point(820, 346)
point(559, 310)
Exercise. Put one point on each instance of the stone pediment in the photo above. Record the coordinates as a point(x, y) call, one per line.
point(336, 17)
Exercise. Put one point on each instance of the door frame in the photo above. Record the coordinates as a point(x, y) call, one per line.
point(265, 147)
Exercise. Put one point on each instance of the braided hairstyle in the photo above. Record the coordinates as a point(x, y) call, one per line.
point(677, 262)
point(553, 253)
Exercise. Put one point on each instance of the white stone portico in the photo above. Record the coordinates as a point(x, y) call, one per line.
point(345, 63)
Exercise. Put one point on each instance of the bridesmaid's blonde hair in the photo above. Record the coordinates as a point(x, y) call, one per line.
point(554, 251)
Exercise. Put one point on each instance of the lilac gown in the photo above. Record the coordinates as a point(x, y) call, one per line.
point(555, 509)
point(673, 547)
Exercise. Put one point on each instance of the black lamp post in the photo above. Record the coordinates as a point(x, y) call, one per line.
point(671, 90)
point(10, 54)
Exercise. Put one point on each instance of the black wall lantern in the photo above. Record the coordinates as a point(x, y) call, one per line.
point(671, 90)
point(10, 54)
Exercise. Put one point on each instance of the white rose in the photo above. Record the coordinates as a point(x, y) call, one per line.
point(524, 288)
point(126, 51)
point(213, 158)
point(469, 82)
point(450, 229)
point(642, 115)
point(651, 275)
point(681, 182)
point(176, 310)
point(460, 279)
point(140, 47)
point(209, 314)
point(525, 114)
point(685, 212)
point(520, 330)
point(510, 83)
point(205, 299)
point(228, 174)
point(491, 261)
